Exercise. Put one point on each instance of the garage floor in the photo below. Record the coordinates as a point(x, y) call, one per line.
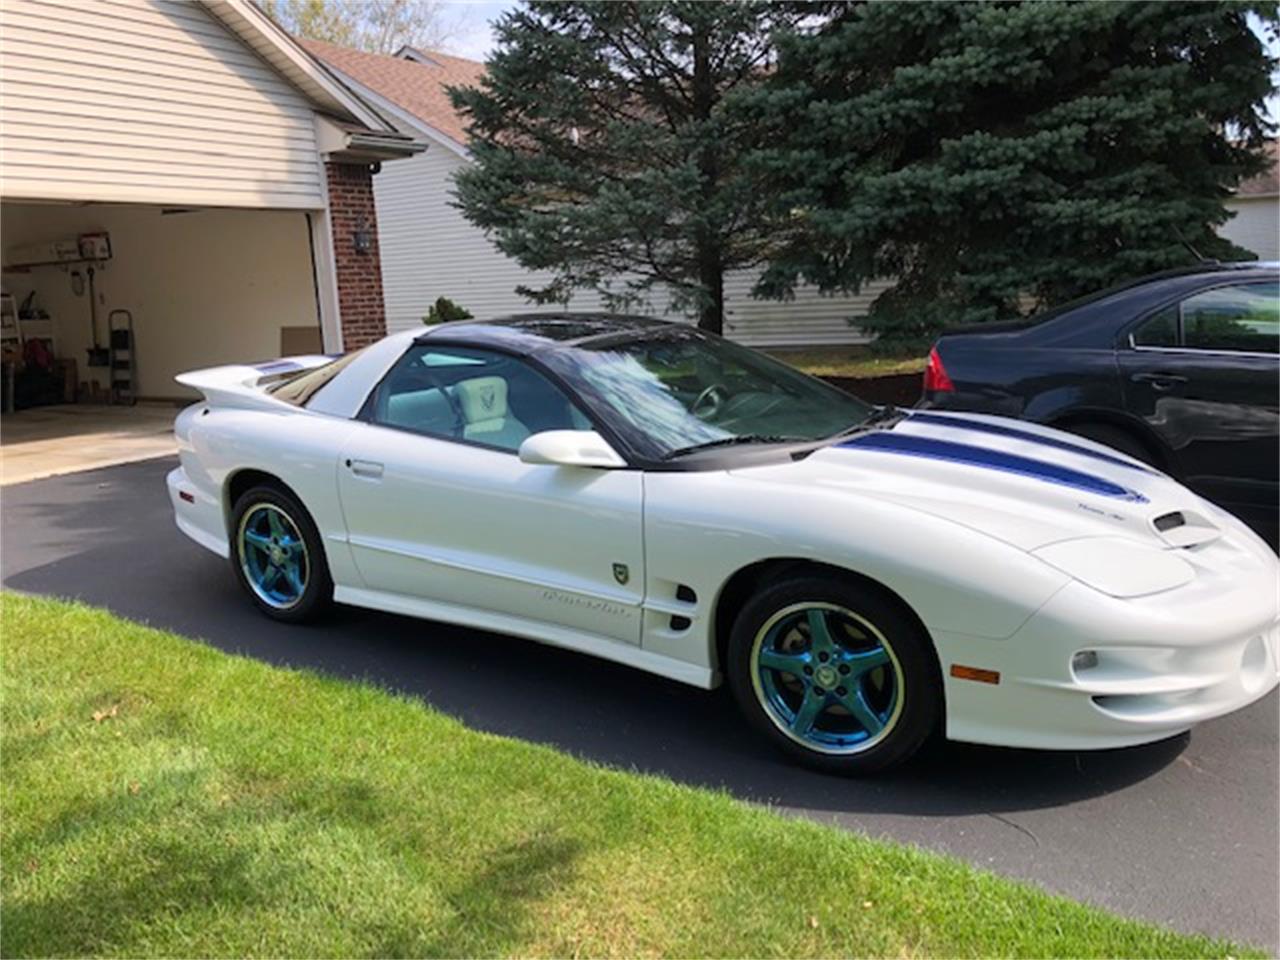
point(47, 441)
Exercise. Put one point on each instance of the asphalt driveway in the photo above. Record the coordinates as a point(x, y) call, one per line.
point(1184, 832)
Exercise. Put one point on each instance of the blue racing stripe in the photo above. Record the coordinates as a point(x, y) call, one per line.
point(916, 446)
point(999, 430)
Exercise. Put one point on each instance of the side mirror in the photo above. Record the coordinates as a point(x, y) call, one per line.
point(570, 448)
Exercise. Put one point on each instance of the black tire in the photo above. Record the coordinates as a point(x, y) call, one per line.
point(1116, 438)
point(907, 721)
point(317, 592)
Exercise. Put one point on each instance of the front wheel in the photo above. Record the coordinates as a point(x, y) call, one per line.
point(277, 555)
point(834, 674)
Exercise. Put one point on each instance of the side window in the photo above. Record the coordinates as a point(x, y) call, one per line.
point(472, 395)
point(1160, 330)
point(1244, 317)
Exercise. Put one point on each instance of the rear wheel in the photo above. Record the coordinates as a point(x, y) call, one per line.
point(277, 555)
point(834, 674)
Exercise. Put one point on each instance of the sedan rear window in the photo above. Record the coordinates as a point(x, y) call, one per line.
point(1160, 331)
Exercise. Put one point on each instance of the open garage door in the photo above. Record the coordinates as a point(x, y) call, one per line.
point(203, 287)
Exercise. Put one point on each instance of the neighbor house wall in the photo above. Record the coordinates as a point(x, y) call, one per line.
point(430, 250)
point(205, 287)
point(1255, 226)
point(810, 318)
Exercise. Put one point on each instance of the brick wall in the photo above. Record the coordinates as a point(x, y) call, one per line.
point(359, 275)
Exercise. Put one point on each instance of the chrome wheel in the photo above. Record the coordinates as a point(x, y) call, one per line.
point(827, 678)
point(273, 556)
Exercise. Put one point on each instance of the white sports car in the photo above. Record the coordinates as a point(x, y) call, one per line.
point(644, 492)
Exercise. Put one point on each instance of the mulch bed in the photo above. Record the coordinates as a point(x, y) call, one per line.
point(900, 389)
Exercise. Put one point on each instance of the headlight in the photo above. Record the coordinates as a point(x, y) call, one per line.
point(1118, 567)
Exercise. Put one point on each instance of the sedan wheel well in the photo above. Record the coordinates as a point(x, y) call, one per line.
point(1139, 434)
point(739, 588)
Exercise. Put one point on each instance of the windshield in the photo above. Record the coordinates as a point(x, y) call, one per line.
point(680, 391)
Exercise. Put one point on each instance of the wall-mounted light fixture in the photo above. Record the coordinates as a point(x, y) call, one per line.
point(362, 237)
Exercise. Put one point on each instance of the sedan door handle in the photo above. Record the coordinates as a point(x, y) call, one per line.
point(1161, 381)
point(366, 468)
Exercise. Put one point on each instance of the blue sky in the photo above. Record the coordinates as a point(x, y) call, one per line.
point(473, 37)
point(1272, 42)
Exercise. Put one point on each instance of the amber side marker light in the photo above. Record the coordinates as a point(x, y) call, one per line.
point(975, 673)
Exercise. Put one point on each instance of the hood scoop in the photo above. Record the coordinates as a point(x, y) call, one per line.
point(1185, 528)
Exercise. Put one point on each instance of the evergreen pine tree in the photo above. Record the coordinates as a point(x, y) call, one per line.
point(992, 156)
point(606, 151)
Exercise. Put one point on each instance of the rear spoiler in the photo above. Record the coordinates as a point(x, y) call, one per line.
point(241, 385)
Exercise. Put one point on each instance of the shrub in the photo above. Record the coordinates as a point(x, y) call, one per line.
point(444, 310)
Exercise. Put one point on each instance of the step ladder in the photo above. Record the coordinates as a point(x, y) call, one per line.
point(123, 362)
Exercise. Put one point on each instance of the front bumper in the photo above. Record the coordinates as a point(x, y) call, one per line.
point(1163, 663)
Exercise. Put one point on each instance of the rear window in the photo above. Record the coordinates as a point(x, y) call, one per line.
point(299, 388)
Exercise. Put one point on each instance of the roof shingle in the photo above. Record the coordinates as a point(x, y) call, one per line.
point(415, 86)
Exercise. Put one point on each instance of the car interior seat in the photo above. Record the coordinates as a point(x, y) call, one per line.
point(486, 416)
point(425, 411)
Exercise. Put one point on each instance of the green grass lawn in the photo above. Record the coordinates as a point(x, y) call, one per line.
point(849, 361)
point(163, 798)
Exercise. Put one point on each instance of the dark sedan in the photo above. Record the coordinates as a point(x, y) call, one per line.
point(1179, 369)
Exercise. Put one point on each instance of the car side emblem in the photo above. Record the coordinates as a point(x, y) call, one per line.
point(621, 573)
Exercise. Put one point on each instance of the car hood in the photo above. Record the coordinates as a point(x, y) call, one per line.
point(1027, 485)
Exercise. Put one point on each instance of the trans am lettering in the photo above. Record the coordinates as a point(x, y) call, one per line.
point(586, 603)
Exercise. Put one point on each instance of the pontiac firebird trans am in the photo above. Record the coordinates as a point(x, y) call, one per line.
point(648, 493)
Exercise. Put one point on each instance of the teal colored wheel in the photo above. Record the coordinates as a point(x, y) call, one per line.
point(827, 678)
point(273, 556)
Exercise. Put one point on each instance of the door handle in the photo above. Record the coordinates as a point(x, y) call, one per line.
point(366, 468)
point(1160, 381)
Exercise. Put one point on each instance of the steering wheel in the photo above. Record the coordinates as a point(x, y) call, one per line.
point(709, 401)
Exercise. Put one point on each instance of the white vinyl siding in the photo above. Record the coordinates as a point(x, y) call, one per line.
point(430, 250)
point(147, 101)
point(809, 319)
point(1255, 226)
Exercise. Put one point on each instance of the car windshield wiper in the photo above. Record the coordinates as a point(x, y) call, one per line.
point(730, 442)
point(884, 416)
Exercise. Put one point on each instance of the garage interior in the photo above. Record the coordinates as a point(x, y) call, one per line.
point(199, 287)
point(103, 304)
